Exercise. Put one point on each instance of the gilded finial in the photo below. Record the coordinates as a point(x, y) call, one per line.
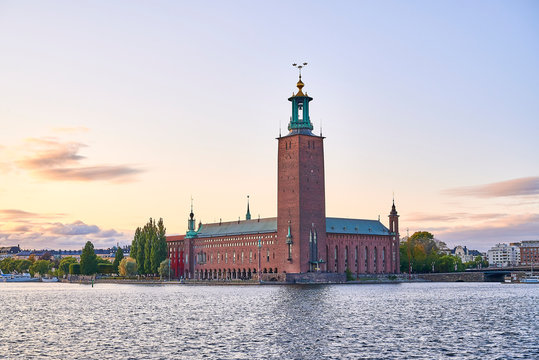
point(300, 83)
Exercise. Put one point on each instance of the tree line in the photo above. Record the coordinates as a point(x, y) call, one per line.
point(421, 253)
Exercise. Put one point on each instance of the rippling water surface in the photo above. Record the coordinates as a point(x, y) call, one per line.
point(406, 321)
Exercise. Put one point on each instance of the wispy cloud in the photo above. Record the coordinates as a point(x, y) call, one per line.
point(118, 173)
point(51, 159)
point(515, 187)
point(510, 228)
point(15, 228)
point(422, 217)
point(21, 215)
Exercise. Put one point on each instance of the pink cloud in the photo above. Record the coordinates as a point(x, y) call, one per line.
point(515, 187)
point(52, 159)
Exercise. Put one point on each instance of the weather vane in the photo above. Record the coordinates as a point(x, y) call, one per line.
point(299, 67)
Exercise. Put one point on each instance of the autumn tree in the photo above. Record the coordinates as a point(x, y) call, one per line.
point(127, 267)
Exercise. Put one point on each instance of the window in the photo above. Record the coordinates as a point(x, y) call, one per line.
point(336, 258)
point(268, 255)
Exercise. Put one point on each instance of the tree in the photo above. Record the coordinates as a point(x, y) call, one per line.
point(6, 265)
point(159, 247)
point(140, 242)
point(88, 259)
point(100, 260)
point(164, 268)
point(103, 268)
point(74, 268)
point(23, 265)
point(127, 267)
point(151, 235)
point(41, 267)
point(63, 268)
point(117, 258)
point(46, 256)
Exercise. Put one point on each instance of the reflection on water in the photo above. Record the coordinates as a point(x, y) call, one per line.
point(422, 321)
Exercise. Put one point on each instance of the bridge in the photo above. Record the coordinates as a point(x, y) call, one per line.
point(474, 275)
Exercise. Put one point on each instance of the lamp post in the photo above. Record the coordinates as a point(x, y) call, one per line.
point(259, 262)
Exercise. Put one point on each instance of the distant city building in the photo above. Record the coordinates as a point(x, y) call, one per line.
point(465, 254)
point(503, 255)
point(8, 251)
point(107, 254)
point(529, 252)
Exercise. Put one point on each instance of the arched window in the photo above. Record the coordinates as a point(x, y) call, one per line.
point(218, 257)
point(336, 259)
point(366, 259)
point(242, 256)
point(268, 255)
point(374, 259)
point(234, 257)
point(383, 259)
point(346, 258)
point(327, 257)
point(250, 256)
point(226, 258)
point(356, 261)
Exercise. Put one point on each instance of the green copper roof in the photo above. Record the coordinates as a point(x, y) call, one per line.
point(269, 225)
point(355, 226)
point(256, 226)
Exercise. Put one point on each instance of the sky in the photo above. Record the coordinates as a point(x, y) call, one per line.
point(112, 112)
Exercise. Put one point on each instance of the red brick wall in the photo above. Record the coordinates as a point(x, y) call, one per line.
point(373, 243)
point(300, 198)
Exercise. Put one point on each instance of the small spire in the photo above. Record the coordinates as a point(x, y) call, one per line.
point(248, 215)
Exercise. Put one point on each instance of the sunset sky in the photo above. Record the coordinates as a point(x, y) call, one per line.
point(112, 112)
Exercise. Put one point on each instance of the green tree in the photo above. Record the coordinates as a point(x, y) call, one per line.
point(41, 267)
point(100, 260)
point(63, 268)
point(23, 265)
point(88, 259)
point(103, 268)
point(117, 258)
point(159, 247)
point(127, 267)
point(7, 265)
point(74, 268)
point(150, 234)
point(164, 268)
point(139, 251)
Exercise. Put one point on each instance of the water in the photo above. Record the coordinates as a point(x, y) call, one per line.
point(406, 321)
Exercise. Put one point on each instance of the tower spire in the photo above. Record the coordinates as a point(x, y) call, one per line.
point(300, 121)
point(248, 215)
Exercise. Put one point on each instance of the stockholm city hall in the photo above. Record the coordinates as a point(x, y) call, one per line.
point(301, 243)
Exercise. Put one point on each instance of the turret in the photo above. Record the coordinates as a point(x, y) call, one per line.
point(248, 214)
point(300, 121)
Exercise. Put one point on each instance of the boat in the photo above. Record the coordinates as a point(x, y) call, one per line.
point(52, 279)
point(18, 278)
point(530, 279)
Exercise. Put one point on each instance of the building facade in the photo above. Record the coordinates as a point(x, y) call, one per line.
point(301, 239)
point(529, 252)
point(503, 255)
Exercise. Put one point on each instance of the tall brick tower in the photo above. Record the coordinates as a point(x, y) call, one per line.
point(301, 204)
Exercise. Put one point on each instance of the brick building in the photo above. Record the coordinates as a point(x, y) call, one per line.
point(301, 240)
point(529, 252)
